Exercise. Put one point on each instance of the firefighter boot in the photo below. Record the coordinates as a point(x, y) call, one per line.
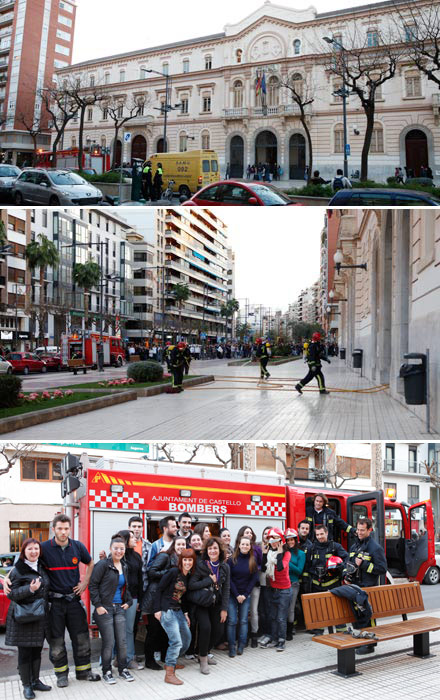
point(25, 671)
point(298, 387)
point(36, 683)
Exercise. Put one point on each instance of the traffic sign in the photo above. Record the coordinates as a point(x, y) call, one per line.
point(347, 149)
point(127, 137)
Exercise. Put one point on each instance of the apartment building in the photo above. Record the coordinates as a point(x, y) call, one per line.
point(15, 282)
point(36, 39)
point(145, 274)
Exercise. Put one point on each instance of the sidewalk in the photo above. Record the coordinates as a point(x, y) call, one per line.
point(236, 407)
point(303, 670)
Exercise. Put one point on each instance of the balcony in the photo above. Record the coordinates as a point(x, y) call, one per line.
point(2, 281)
point(236, 113)
point(402, 466)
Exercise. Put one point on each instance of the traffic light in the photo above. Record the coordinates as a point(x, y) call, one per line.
point(69, 484)
point(70, 464)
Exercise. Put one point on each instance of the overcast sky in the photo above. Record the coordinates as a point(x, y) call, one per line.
point(277, 249)
point(106, 27)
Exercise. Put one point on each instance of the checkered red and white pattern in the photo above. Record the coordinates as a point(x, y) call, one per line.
point(103, 499)
point(275, 509)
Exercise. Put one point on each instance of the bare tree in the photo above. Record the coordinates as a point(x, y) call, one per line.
point(290, 451)
point(418, 27)
point(432, 471)
point(33, 126)
point(12, 451)
point(61, 109)
point(363, 69)
point(302, 96)
point(83, 94)
point(121, 110)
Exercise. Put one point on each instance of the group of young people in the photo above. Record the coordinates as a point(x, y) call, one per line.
point(195, 592)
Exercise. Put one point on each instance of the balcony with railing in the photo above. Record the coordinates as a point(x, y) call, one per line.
point(236, 113)
point(405, 466)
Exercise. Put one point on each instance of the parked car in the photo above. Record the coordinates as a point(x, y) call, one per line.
point(47, 350)
point(54, 187)
point(53, 362)
point(383, 197)
point(5, 366)
point(26, 362)
point(126, 172)
point(86, 171)
point(7, 561)
point(4, 603)
point(231, 193)
point(8, 175)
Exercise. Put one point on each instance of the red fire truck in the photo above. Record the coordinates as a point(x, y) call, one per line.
point(112, 490)
point(68, 158)
point(85, 346)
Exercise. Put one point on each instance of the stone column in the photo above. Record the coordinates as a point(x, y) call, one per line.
point(376, 465)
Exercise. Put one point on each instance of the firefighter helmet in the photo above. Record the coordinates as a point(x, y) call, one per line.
point(181, 345)
point(333, 562)
point(316, 336)
point(306, 346)
point(268, 345)
point(275, 535)
point(290, 532)
point(258, 341)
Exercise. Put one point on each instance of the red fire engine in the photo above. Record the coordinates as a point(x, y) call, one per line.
point(68, 158)
point(85, 346)
point(115, 489)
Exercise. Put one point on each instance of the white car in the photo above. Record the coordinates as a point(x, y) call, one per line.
point(432, 576)
point(5, 366)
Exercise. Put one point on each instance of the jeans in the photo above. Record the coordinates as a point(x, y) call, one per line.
point(279, 607)
point(264, 610)
point(295, 591)
point(179, 635)
point(255, 599)
point(112, 629)
point(238, 612)
point(130, 619)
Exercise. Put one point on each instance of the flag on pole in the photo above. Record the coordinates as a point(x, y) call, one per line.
point(263, 83)
point(258, 84)
point(264, 93)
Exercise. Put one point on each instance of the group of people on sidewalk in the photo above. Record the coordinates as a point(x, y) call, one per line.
point(195, 592)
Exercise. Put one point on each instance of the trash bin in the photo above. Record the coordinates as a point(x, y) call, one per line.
point(357, 358)
point(414, 379)
point(342, 353)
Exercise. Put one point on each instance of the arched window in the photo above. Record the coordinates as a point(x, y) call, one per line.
point(238, 94)
point(183, 142)
point(103, 142)
point(297, 82)
point(273, 91)
point(339, 138)
point(208, 62)
point(377, 139)
point(297, 47)
point(239, 55)
point(206, 141)
point(73, 141)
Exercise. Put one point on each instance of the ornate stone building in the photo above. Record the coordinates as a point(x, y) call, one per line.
point(212, 92)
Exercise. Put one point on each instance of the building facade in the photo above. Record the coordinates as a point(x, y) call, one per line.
point(15, 279)
point(36, 40)
point(213, 80)
point(140, 328)
point(393, 307)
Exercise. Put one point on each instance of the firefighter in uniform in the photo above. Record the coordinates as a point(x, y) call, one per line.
point(327, 560)
point(62, 557)
point(263, 354)
point(188, 358)
point(167, 354)
point(157, 183)
point(147, 181)
point(305, 582)
point(177, 365)
point(314, 353)
point(320, 514)
point(368, 562)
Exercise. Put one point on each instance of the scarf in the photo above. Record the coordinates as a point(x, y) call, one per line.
point(271, 563)
point(32, 564)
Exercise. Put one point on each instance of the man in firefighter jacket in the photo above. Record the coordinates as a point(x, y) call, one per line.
point(167, 354)
point(306, 545)
point(177, 365)
point(314, 353)
point(320, 514)
point(327, 560)
point(263, 353)
point(369, 560)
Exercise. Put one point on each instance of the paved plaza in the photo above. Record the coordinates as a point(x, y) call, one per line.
point(303, 670)
point(238, 407)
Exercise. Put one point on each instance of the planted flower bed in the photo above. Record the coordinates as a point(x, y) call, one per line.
point(37, 401)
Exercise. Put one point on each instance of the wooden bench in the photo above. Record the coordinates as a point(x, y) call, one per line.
point(327, 610)
point(76, 364)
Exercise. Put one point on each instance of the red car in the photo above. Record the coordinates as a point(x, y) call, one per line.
point(230, 193)
point(26, 362)
point(4, 603)
point(53, 362)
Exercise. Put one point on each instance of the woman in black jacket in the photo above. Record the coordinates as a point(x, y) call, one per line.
point(212, 573)
point(135, 586)
point(29, 582)
point(111, 597)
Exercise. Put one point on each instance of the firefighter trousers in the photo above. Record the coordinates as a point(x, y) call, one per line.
point(177, 373)
point(70, 615)
point(314, 372)
point(263, 367)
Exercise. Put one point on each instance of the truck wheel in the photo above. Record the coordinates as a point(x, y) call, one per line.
point(184, 191)
point(44, 369)
point(432, 576)
point(119, 361)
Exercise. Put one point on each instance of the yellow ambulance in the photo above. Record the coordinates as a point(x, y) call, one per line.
point(190, 170)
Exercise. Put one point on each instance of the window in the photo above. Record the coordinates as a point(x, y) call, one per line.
point(19, 532)
point(103, 142)
point(184, 105)
point(412, 459)
point(390, 485)
point(73, 141)
point(377, 139)
point(205, 140)
point(107, 78)
point(389, 458)
point(238, 94)
point(92, 81)
point(60, 64)
point(413, 84)
point(105, 113)
point(65, 20)
point(62, 49)
point(120, 111)
point(90, 114)
point(297, 83)
point(337, 86)
point(122, 76)
point(165, 68)
point(372, 38)
point(410, 32)
point(273, 91)
point(63, 35)
point(206, 103)
point(183, 142)
point(185, 65)
point(66, 7)
point(339, 138)
point(297, 47)
point(413, 494)
point(142, 75)
point(208, 62)
point(38, 469)
point(239, 55)
point(141, 108)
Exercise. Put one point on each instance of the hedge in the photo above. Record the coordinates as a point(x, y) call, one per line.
point(10, 387)
point(145, 371)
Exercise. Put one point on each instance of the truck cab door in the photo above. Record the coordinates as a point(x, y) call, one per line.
point(419, 548)
point(369, 505)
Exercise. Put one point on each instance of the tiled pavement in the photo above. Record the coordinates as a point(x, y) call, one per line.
point(303, 670)
point(239, 409)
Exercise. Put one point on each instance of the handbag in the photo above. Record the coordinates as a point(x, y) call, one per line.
point(30, 612)
point(204, 597)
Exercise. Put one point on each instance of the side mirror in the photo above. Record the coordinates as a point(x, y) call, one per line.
point(252, 201)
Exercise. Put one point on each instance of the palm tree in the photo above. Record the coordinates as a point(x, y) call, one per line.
point(181, 293)
point(229, 309)
point(42, 254)
point(86, 275)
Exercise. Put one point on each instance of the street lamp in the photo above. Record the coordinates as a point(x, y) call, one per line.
point(332, 294)
point(338, 259)
point(344, 93)
point(165, 108)
point(163, 268)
